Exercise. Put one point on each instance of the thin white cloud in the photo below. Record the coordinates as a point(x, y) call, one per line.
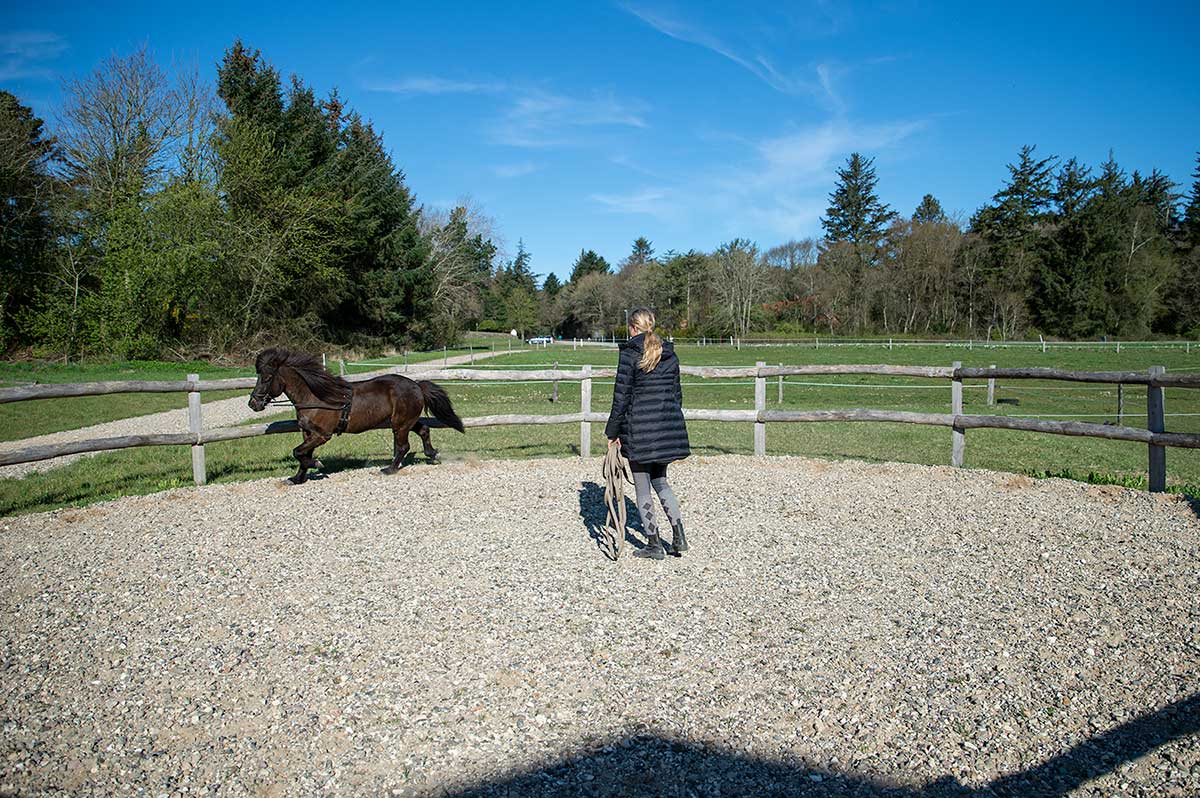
point(511, 170)
point(814, 149)
point(435, 85)
point(531, 116)
point(23, 54)
point(781, 186)
point(757, 64)
point(538, 118)
point(658, 202)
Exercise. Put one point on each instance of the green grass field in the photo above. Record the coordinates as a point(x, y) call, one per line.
point(151, 469)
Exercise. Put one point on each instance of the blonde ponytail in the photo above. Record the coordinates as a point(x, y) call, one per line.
point(642, 321)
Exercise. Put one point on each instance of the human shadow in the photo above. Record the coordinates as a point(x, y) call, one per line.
point(652, 765)
point(595, 515)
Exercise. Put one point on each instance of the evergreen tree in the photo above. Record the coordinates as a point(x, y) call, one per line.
point(641, 255)
point(1191, 214)
point(250, 87)
point(1022, 204)
point(517, 273)
point(587, 263)
point(855, 213)
point(1065, 297)
point(26, 190)
point(551, 286)
point(929, 211)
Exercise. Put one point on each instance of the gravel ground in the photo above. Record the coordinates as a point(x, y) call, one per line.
point(838, 628)
point(222, 413)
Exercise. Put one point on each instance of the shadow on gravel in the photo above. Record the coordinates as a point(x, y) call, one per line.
point(594, 514)
point(647, 765)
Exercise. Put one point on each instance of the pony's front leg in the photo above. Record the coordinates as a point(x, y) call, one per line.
point(313, 437)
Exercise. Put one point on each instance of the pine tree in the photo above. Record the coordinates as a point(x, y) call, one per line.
point(588, 262)
point(551, 286)
point(517, 273)
point(250, 87)
point(929, 211)
point(1191, 215)
point(642, 254)
point(26, 188)
point(855, 214)
point(1022, 204)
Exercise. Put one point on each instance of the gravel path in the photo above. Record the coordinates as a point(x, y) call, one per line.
point(221, 413)
point(838, 628)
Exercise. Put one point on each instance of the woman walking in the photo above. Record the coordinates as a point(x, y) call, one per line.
point(646, 421)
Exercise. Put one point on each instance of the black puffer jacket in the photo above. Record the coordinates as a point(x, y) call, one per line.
point(647, 408)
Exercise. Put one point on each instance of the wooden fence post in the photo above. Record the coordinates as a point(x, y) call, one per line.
point(196, 426)
point(554, 395)
point(992, 387)
point(585, 407)
point(1155, 423)
point(342, 367)
point(1043, 340)
point(956, 407)
point(1120, 401)
point(445, 360)
point(780, 387)
point(760, 404)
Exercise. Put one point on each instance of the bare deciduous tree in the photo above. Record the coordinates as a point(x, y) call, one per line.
point(740, 275)
point(119, 126)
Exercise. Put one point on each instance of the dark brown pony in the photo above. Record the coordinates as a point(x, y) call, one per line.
point(327, 405)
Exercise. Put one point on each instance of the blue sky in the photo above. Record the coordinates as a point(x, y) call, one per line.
point(587, 125)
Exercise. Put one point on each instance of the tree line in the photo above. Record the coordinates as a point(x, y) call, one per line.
point(166, 215)
point(1060, 250)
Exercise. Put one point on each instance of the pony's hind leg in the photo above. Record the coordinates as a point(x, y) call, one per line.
point(423, 430)
point(399, 448)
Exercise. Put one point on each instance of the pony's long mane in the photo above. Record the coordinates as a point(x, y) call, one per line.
point(324, 385)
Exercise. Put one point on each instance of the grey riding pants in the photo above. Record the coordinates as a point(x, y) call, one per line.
point(650, 479)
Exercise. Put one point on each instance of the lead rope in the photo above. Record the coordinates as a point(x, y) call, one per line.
point(616, 473)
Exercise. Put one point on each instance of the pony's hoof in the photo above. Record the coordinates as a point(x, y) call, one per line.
point(318, 465)
point(389, 470)
point(432, 456)
point(296, 480)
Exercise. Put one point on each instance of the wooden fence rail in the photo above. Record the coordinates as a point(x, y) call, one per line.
point(1154, 437)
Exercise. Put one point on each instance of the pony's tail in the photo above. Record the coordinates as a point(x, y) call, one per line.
point(438, 403)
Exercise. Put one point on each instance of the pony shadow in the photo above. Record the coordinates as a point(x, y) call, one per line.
point(595, 514)
point(337, 463)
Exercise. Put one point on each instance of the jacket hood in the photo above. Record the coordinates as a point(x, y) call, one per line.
point(637, 343)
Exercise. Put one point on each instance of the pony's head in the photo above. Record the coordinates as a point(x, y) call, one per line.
point(270, 383)
point(276, 366)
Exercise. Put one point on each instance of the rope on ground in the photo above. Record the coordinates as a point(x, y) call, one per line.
point(616, 473)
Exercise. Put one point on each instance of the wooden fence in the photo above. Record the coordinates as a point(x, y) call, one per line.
point(1156, 438)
